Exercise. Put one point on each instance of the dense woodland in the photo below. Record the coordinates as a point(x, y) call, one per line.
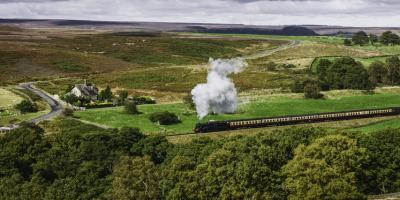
point(79, 161)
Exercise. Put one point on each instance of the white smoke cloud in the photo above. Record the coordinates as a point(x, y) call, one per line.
point(219, 94)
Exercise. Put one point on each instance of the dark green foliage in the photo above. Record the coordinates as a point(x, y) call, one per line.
point(360, 38)
point(164, 118)
point(27, 106)
point(373, 38)
point(131, 108)
point(135, 178)
point(383, 166)
point(329, 168)
point(393, 70)
point(122, 96)
point(377, 72)
point(389, 38)
point(106, 94)
point(81, 161)
point(76, 101)
point(156, 147)
point(312, 91)
point(347, 42)
point(344, 73)
point(140, 100)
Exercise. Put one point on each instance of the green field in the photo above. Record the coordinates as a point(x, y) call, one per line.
point(391, 123)
point(115, 117)
point(8, 98)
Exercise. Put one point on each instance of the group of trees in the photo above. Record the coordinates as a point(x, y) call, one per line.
point(82, 162)
point(347, 73)
point(385, 73)
point(26, 106)
point(362, 38)
point(343, 73)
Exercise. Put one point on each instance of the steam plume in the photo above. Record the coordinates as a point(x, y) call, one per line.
point(219, 94)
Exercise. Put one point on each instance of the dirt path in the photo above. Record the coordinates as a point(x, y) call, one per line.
point(269, 52)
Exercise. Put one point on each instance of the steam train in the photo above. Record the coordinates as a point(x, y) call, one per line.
point(215, 126)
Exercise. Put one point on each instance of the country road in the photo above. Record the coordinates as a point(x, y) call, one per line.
point(56, 107)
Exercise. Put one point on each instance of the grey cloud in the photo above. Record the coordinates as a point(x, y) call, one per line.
point(259, 12)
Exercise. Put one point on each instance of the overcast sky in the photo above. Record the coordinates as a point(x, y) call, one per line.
point(255, 12)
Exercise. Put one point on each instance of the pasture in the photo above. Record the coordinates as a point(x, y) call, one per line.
point(279, 106)
point(8, 98)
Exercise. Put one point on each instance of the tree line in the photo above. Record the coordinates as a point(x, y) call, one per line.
point(80, 161)
point(347, 73)
point(362, 38)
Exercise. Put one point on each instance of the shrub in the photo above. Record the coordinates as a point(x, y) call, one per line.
point(164, 118)
point(347, 42)
point(131, 108)
point(143, 100)
point(312, 91)
point(68, 112)
point(188, 101)
point(27, 106)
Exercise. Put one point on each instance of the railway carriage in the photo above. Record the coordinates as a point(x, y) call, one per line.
point(215, 126)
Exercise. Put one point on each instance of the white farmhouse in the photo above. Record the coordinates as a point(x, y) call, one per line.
point(85, 90)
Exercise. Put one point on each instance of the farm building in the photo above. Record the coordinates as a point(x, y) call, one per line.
point(85, 90)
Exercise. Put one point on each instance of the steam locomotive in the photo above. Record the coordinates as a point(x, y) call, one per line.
point(215, 126)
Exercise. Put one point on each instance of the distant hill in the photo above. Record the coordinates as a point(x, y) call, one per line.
point(288, 31)
point(121, 26)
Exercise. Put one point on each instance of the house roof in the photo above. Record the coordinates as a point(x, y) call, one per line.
point(88, 90)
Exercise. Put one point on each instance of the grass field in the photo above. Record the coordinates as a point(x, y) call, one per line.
point(390, 123)
point(8, 98)
point(115, 117)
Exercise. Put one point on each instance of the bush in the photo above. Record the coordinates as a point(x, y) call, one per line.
point(131, 108)
point(188, 101)
point(27, 106)
point(143, 100)
point(312, 91)
point(164, 118)
point(68, 112)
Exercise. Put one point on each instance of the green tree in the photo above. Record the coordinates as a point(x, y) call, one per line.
point(164, 118)
point(329, 168)
point(26, 106)
point(346, 73)
point(360, 38)
point(106, 94)
point(135, 178)
point(393, 70)
point(377, 72)
point(312, 91)
point(389, 38)
point(373, 38)
point(122, 96)
point(131, 108)
point(383, 166)
point(347, 42)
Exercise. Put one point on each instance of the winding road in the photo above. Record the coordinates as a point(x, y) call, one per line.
point(55, 105)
